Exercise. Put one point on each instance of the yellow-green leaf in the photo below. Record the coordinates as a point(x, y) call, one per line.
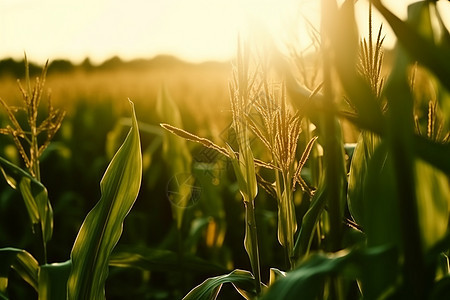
point(102, 227)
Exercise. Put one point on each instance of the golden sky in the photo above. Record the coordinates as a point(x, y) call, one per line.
point(194, 30)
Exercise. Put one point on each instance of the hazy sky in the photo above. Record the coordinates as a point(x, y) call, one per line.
point(195, 30)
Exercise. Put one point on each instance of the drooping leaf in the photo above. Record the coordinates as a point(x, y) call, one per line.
point(434, 153)
point(34, 195)
point(160, 260)
point(210, 288)
point(53, 280)
point(344, 38)
point(22, 262)
point(433, 56)
point(306, 281)
point(102, 227)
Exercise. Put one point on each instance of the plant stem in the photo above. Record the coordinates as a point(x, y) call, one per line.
point(331, 144)
point(251, 233)
point(35, 170)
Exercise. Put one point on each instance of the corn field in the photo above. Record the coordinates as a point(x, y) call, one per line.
point(293, 176)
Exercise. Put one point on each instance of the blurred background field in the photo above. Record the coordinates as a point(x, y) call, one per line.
point(97, 119)
point(95, 100)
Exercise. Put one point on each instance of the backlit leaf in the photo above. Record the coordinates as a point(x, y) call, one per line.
point(102, 227)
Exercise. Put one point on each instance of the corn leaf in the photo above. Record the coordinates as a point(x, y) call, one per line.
point(433, 196)
point(21, 261)
point(356, 197)
point(430, 54)
point(160, 260)
point(305, 236)
point(53, 280)
point(34, 195)
point(102, 227)
point(344, 40)
point(307, 280)
point(275, 274)
point(434, 153)
point(210, 288)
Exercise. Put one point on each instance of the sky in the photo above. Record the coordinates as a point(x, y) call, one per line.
point(194, 30)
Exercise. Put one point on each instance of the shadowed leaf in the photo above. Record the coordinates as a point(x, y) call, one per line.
point(34, 195)
point(21, 261)
point(161, 260)
point(53, 280)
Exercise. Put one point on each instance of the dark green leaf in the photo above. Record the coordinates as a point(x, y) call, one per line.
point(21, 261)
point(309, 222)
point(356, 198)
point(53, 280)
point(306, 281)
point(436, 154)
point(161, 260)
point(381, 210)
point(431, 55)
point(34, 195)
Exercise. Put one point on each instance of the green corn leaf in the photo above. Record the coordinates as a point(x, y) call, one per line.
point(434, 153)
point(430, 54)
point(356, 198)
point(248, 163)
point(243, 188)
point(275, 274)
point(441, 289)
point(433, 196)
point(242, 280)
point(53, 280)
point(305, 236)
point(34, 195)
point(381, 194)
point(160, 260)
point(21, 261)
point(287, 222)
point(307, 280)
point(344, 38)
point(102, 227)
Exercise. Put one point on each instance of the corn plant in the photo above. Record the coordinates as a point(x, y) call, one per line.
point(84, 275)
point(380, 231)
point(403, 215)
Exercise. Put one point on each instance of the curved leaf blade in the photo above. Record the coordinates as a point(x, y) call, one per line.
point(21, 261)
point(34, 195)
point(306, 281)
point(210, 288)
point(102, 227)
